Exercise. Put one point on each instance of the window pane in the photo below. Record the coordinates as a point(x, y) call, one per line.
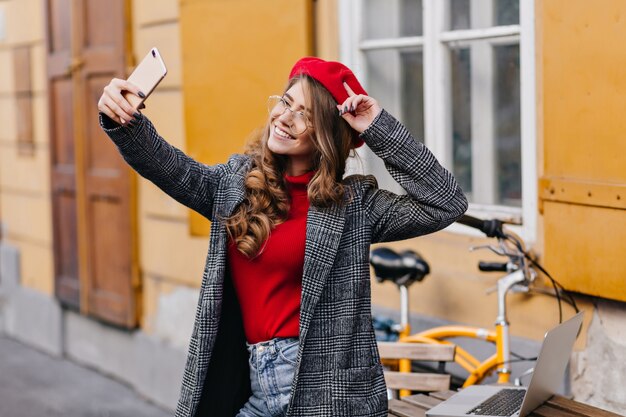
point(507, 124)
point(461, 118)
point(395, 79)
point(459, 14)
point(413, 93)
point(507, 12)
point(479, 14)
point(391, 18)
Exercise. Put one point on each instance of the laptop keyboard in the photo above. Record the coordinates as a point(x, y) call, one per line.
point(503, 403)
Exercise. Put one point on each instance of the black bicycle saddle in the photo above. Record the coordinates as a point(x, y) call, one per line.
point(401, 268)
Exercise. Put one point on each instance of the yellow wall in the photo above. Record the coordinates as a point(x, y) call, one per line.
point(236, 54)
point(24, 179)
point(583, 183)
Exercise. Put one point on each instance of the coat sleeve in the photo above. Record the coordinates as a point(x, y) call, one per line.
point(189, 182)
point(433, 198)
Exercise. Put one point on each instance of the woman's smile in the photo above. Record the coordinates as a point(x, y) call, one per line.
point(282, 133)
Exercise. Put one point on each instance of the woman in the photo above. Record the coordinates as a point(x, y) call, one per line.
point(283, 325)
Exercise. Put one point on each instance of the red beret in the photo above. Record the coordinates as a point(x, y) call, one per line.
point(331, 75)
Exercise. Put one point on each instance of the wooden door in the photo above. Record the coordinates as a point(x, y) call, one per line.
point(62, 151)
point(103, 200)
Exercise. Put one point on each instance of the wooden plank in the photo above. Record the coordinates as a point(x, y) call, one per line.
point(416, 351)
point(421, 400)
point(442, 395)
point(586, 193)
point(403, 409)
point(566, 404)
point(546, 411)
point(417, 381)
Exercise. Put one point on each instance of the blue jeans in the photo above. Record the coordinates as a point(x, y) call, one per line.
point(272, 366)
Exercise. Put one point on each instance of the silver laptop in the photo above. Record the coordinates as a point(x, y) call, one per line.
point(484, 400)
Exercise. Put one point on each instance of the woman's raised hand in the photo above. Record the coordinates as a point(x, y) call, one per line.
point(113, 104)
point(358, 110)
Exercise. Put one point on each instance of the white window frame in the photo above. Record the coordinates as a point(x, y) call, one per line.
point(437, 107)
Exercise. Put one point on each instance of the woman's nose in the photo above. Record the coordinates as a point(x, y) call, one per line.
point(285, 116)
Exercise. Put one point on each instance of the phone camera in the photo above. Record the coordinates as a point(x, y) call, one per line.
point(153, 53)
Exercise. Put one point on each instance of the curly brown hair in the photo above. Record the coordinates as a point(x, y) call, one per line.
point(267, 201)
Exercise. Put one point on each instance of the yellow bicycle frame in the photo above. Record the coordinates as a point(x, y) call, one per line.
point(477, 370)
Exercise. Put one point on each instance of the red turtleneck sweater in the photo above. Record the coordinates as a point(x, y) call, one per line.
point(269, 286)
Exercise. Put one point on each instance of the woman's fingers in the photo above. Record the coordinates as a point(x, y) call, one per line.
point(109, 113)
point(352, 103)
point(114, 104)
point(116, 101)
point(121, 116)
point(132, 88)
point(359, 111)
point(348, 89)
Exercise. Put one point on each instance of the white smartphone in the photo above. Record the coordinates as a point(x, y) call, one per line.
point(147, 75)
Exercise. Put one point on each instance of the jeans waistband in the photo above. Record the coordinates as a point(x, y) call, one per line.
point(271, 345)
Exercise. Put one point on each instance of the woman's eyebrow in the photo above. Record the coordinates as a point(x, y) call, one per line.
point(290, 99)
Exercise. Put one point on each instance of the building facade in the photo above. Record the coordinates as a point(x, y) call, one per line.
point(520, 99)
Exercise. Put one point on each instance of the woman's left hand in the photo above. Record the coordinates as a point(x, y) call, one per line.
point(358, 110)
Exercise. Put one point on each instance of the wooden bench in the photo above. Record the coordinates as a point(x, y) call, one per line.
point(416, 381)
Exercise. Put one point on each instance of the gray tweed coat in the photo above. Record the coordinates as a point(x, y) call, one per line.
point(338, 371)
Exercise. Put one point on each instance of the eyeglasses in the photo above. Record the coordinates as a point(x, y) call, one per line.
point(277, 105)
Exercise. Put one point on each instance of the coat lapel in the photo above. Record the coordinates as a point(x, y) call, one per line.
point(234, 194)
point(324, 229)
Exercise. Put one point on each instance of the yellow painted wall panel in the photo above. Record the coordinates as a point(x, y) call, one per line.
point(27, 216)
point(36, 266)
point(24, 173)
point(166, 38)
point(584, 80)
point(167, 251)
point(38, 67)
point(236, 53)
point(582, 74)
point(7, 83)
point(149, 296)
point(587, 248)
point(24, 21)
point(155, 203)
point(154, 11)
point(8, 119)
point(41, 128)
point(165, 110)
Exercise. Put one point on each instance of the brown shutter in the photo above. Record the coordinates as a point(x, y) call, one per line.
point(62, 152)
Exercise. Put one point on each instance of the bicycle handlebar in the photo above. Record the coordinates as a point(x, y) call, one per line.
point(491, 228)
point(492, 266)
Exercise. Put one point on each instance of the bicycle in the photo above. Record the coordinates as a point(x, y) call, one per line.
point(409, 267)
